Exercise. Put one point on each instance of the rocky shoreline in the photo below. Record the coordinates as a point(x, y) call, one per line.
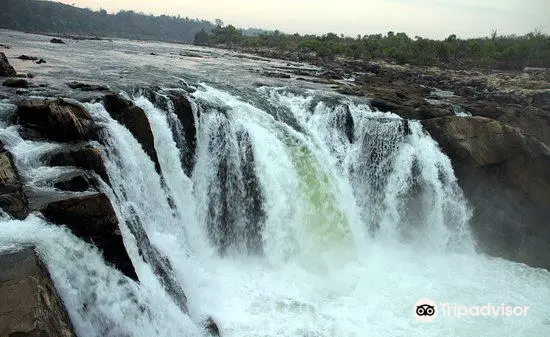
point(495, 128)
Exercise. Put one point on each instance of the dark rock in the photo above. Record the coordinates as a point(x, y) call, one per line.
point(30, 305)
point(16, 83)
point(28, 58)
point(184, 113)
point(56, 40)
point(40, 61)
point(21, 91)
point(93, 219)
point(504, 174)
point(57, 120)
point(211, 327)
point(134, 118)
point(88, 158)
point(542, 100)
point(87, 87)
point(275, 74)
point(5, 46)
point(12, 198)
point(79, 183)
point(6, 70)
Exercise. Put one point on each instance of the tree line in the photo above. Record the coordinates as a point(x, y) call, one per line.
point(496, 51)
point(36, 16)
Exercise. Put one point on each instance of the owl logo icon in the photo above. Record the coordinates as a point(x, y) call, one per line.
point(425, 310)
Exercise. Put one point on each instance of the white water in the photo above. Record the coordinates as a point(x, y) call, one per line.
point(349, 246)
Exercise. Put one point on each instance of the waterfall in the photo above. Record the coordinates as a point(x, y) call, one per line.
point(296, 213)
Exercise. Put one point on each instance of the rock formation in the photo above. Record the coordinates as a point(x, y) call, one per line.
point(30, 305)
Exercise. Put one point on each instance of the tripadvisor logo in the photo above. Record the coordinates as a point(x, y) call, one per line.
point(426, 310)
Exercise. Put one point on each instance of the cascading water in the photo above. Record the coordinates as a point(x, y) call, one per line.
point(305, 214)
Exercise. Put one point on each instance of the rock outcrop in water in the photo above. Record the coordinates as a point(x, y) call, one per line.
point(30, 305)
point(505, 176)
point(6, 70)
point(134, 118)
point(12, 198)
point(86, 157)
point(93, 219)
point(57, 120)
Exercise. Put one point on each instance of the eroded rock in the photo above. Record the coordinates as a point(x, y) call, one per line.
point(57, 120)
point(30, 305)
point(134, 118)
point(12, 198)
point(88, 158)
point(93, 219)
point(6, 70)
point(504, 174)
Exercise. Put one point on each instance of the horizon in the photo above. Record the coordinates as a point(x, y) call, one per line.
point(435, 19)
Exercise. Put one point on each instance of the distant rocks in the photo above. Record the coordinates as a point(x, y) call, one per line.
point(93, 219)
point(58, 120)
point(57, 41)
point(16, 82)
point(134, 118)
point(505, 176)
point(32, 58)
point(5, 46)
point(30, 305)
point(6, 70)
point(87, 86)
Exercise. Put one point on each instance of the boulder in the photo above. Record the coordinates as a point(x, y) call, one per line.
point(12, 198)
point(28, 58)
point(87, 86)
point(93, 219)
point(57, 41)
point(78, 183)
point(504, 174)
point(88, 158)
point(6, 70)
point(30, 305)
point(58, 120)
point(16, 82)
point(134, 118)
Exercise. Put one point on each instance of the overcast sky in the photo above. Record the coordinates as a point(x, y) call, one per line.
point(428, 18)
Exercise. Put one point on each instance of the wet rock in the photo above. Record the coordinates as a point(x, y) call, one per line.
point(88, 158)
point(16, 83)
point(28, 58)
point(40, 61)
point(57, 41)
point(6, 70)
point(542, 100)
point(93, 219)
point(79, 183)
point(211, 327)
point(134, 118)
point(12, 198)
point(87, 86)
point(275, 74)
point(184, 112)
point(504, 174)
point(57, 120)
point(30, 305)
point(5, 46)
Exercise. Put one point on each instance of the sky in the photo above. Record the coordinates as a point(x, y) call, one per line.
point(426, 18)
